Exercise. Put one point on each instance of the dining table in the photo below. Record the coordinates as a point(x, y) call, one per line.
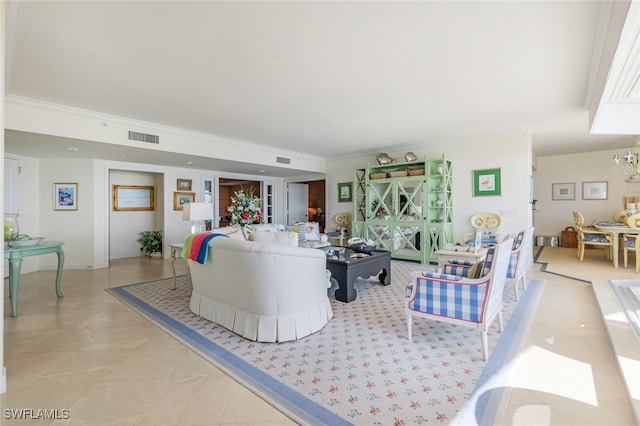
point(615, 228)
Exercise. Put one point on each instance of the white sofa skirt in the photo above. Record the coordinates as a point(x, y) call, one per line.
point(262, 291)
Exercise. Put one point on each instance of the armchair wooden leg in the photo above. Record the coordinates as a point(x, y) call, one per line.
point(485, 350)
point(409, 323)
point(625, 256)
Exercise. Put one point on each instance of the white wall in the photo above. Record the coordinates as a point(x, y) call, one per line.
point(553, 216)
point(124, 226)
point(512, 154)
point(74, 227)
point(29, 217)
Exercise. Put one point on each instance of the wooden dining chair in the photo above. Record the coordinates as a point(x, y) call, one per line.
point(588, 235)
point(631, 242)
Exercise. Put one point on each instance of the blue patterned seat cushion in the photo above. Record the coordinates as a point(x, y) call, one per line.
point(595, 238)
point(630, 243)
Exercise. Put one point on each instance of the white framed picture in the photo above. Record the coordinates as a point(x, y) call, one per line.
point(594, 190)
point(563, 191)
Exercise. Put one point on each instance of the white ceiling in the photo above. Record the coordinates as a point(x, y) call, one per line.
point(330, 79)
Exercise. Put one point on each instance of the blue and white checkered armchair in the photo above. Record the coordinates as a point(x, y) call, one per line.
point(521, 260)
point(459, 300)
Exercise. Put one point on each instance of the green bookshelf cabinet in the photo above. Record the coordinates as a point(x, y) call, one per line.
point(405, 207)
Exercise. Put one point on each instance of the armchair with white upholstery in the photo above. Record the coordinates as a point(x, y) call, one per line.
point(465, 301)
point(521, 260)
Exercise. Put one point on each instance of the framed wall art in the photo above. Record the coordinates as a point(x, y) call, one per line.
point(184, 185)
point(563, 191)
point(486, 182)
point(344, 192)
point(594, 190)
point(181, 198)
point(65, 196)
point(133, 198)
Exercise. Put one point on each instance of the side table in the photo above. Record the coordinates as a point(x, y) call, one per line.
point(15, 255)
point(445, 255)
point(176, 250)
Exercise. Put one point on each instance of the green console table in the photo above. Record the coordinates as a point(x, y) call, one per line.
point(15, 256)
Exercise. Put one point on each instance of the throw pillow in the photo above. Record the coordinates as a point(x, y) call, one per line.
point(475, 270)
point(302, 232)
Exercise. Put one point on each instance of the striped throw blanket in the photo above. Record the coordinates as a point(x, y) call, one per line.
point(196, 247)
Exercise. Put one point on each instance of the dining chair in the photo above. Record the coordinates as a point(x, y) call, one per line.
point(631, 242)
point(464, 301)
point(588, 235)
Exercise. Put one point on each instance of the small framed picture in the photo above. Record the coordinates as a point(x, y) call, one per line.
point(594, 190)
point(181, 198)
point(563, 191)
point(65, 196)
point(344, 192)
point(486, 182)
point(184, 185)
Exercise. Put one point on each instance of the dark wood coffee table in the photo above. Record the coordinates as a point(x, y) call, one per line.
point(346, 270)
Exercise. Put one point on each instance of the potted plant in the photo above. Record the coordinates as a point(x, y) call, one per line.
point(151, 243)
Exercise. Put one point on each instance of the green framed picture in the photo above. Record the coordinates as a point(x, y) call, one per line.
point(344, 192)
point(486, 182)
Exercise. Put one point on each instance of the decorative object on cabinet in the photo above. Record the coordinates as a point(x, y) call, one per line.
point(344, 192)
point(486, 182)
point(407, 213)
point(133, 198)
point(594, 190)
point(384, 158)
point(183, 185)
point(410, 156)
point(563, 191)
point(181, 198)
point(65, 196)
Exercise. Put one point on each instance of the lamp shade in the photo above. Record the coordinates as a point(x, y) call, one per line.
point(198, 211)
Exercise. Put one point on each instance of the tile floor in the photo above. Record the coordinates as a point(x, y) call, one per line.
point(92, 355)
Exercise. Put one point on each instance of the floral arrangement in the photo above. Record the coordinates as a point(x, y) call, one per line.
point(245, 207)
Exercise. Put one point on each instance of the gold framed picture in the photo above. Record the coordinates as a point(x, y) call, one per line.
point(184, 185)
point(133, 198)
point(180, 198)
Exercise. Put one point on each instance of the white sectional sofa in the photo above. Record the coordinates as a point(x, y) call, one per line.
point(263, 291)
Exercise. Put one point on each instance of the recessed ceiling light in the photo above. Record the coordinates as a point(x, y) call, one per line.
point(72, 148)
point(189, 163)
point(262, 171)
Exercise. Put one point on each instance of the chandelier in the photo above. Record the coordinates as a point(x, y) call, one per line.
point(631, 163)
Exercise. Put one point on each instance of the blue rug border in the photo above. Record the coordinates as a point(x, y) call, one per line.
point(269, 388)
point(283, 397)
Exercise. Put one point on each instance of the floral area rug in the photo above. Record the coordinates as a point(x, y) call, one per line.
point(359, 369)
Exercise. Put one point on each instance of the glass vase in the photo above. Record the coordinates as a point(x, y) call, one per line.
point(11, 228)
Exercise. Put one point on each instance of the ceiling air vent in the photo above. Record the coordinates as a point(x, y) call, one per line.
point(283, 160)
point(143, 137)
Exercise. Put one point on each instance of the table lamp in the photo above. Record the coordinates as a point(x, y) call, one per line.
point(197, 213)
